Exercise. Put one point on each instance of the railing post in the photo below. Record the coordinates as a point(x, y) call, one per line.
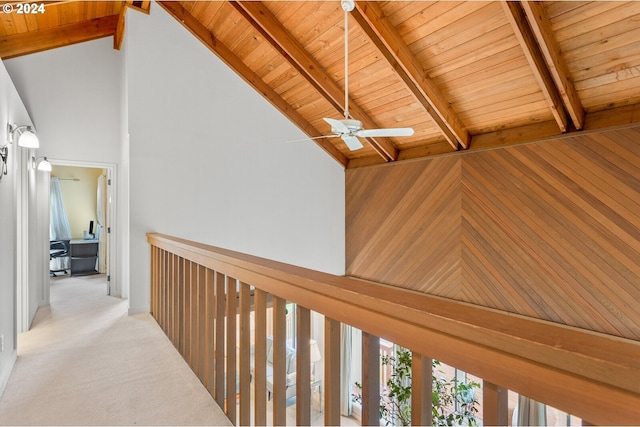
point(331, 372)
point(245, 354)
point(154, 281)
point(370, 380)
point(279, 362)
point(495, 402)
point(421, 390)
point(303, 367)
point(260, 358)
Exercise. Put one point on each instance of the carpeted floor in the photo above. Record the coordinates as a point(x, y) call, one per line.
point(85, 362)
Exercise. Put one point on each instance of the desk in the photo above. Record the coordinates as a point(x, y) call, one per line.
point(84, 255)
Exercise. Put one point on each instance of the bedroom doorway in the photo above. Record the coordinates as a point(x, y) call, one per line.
point(88, 200)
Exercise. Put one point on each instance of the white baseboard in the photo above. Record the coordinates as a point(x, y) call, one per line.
point(6, 372)
point(137, 310)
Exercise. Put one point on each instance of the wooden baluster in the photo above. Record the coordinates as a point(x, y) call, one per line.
point(260, 358)
point(154, 279)
point(172, 300)
point(182, 309)
point(495, 411)
point(163, 292)
point(177, 303)
point(370, 380)
point(219, 338)
point(245, 354)
point(331, 372)
point(303, 367)
point(202, 321)
point(187, 312)
point(232, 300)
point(193, 359)
point(209, 331)
point(421, 390)
point(279, 362)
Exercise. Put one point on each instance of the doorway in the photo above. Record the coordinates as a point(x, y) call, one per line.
point(87, 191)
point(37, 196)
point(78, 203)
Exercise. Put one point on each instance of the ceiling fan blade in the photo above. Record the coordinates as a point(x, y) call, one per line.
point(337, 126)
point(385, 132)
point(307, 139)
point(352, 142)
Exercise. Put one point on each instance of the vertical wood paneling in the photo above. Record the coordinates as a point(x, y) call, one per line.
point(548, 230)
point(331, 372)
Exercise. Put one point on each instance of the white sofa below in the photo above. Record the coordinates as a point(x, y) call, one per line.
point(290, 364)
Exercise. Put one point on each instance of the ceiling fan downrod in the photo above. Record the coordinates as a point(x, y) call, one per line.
point(347, 6)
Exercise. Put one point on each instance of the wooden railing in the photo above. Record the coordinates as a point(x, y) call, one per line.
point(194, 287)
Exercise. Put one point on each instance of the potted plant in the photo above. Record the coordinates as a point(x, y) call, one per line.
point(453, 401)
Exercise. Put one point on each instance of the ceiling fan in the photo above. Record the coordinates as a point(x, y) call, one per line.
point(349, 130)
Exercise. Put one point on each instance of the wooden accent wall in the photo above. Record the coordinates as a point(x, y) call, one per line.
point(549, 230)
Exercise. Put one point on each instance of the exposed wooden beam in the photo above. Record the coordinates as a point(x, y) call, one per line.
point(532, 52)
point(118, 36)
point(15, 45)
point(178, 11)
point(543, 33)
point(389, 43)
point(272, 31)
point(141, 6)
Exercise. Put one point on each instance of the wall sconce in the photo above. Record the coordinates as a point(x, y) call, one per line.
point(41, 164)
point(3, 155)
point(24, 136)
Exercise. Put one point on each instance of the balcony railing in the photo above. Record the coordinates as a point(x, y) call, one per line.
point(195, 287)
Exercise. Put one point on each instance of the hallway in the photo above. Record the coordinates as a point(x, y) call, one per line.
point(85, 362)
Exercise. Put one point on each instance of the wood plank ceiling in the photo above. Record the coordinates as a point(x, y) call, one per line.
point(464, 75)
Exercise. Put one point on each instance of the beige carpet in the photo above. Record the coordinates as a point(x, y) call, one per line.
point(85, 362)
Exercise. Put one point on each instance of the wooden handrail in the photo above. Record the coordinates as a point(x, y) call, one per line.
point(591, 375)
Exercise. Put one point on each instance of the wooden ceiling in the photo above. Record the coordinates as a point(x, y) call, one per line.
point(464, 75)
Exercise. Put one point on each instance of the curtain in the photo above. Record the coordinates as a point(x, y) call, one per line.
point(345, 370)
point(58, 223)
point(101, 215)
point(529, 413)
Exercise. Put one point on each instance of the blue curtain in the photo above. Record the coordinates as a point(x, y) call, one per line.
point(58, 223)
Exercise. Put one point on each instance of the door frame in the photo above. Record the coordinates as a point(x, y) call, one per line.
point(113, 286)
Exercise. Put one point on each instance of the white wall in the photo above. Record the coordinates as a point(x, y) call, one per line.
point(208, 160)
point(11, 110)
point(73, 95)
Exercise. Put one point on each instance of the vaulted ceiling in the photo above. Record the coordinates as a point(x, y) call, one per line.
point(464, 75)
